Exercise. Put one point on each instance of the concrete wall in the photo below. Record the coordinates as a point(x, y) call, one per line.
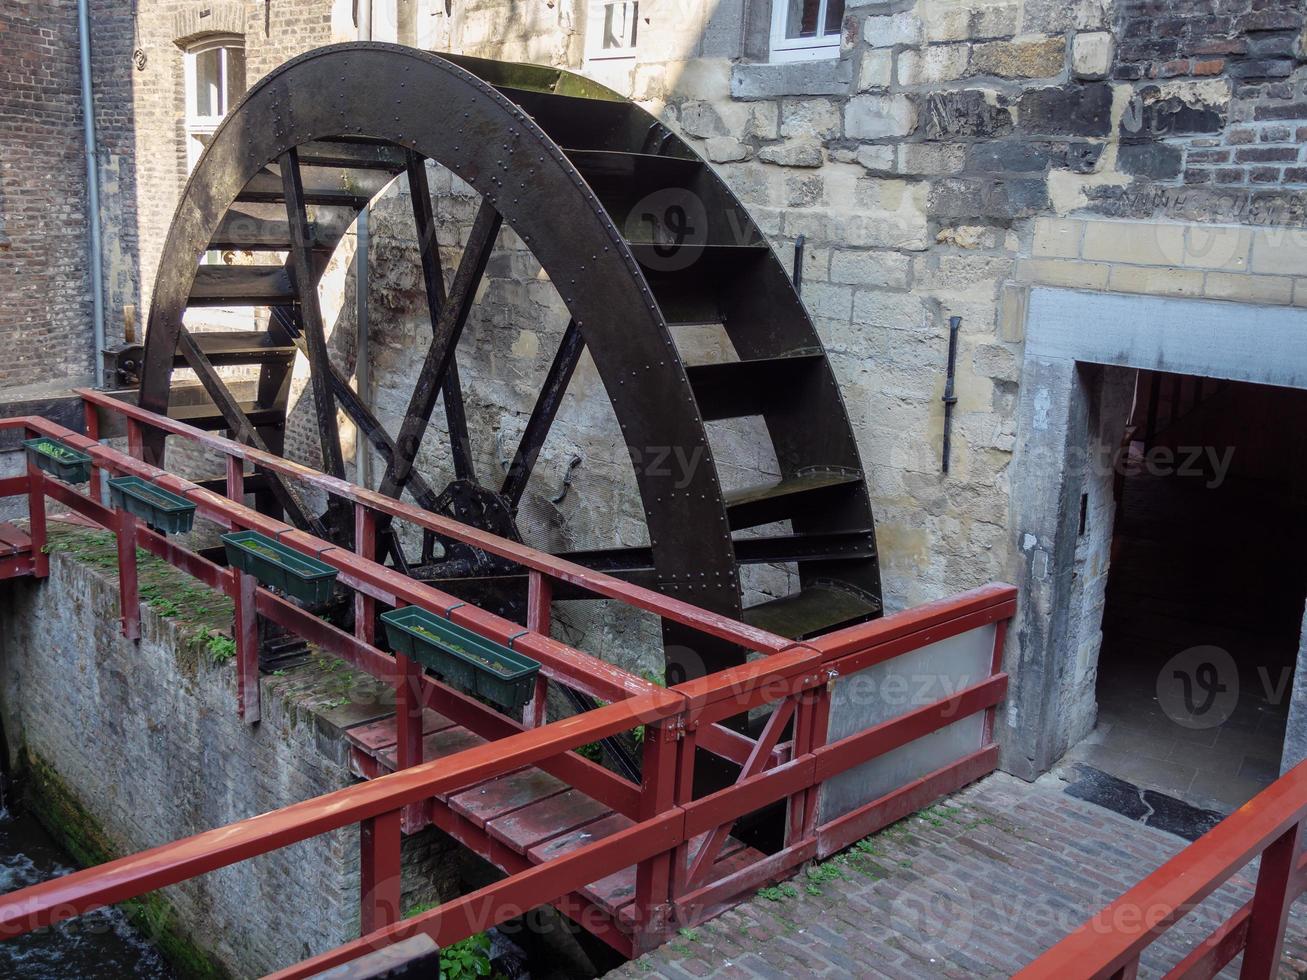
point(144, 742)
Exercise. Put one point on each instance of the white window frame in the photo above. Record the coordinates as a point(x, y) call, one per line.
point(820, 48)
point(594, 31)
point(198, 126)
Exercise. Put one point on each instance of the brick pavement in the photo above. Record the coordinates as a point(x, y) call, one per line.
point(976, 886)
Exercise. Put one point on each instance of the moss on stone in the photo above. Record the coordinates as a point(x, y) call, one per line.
point(201, 616)
point(81, 835)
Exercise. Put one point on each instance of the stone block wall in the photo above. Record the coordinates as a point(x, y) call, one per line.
point(953, 153)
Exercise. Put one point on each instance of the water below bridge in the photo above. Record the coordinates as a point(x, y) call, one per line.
point(96, 946)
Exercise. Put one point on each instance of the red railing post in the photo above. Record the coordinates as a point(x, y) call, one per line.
point(245, 627)
point(236, 479)
point(811, 724)
point(1270, 909)
point(129, 596)
point(36, 520)
point(365, 546)
point(380, 868)
point(540, 591)
point(996, 666)
point(135, 445)
point(408, 731)
point(91, 417)
point(682, 855)
point(653, 875)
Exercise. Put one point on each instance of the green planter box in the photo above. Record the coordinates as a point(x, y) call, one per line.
point(464, 659)
point(280, 566)
point(160, 509)
point(58, 460)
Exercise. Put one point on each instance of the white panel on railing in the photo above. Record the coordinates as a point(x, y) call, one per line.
point(889, 690)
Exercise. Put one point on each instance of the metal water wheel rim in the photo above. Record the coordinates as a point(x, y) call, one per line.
point(487, 122)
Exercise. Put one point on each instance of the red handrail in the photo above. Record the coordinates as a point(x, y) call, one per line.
point(1111, 943)
point(670, 879)
point(677, 610)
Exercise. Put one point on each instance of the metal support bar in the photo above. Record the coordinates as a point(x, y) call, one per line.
point(241, 428)
point(408, 731)
point(36, 521)
point(235, 480)
point(301, 265)
point(950, 399)
point(1270, 910)
point(434, 279)
point(444, 340)
point(653, 876)
point(91, 419)
point(135, 447)
point(543, 414)
point(799, 244)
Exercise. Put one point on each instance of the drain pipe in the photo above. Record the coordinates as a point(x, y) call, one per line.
point(363, 356)
point(92, 191)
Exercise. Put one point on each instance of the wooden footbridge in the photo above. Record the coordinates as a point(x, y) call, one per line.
point(631, 860)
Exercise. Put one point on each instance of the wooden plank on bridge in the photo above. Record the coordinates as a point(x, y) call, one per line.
point(523, 829)
point(377, 736)
point(13, 540)
point(506, 794)
point(15, 552)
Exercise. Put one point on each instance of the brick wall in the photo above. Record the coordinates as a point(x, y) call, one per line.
point(146, 739)
point(45, 327)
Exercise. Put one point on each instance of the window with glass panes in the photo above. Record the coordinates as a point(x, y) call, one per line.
point(215, 79)
point(806, 29)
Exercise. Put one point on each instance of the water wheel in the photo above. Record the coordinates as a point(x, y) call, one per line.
point(639, 236)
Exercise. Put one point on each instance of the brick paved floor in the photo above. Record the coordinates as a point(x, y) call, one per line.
point(974, 887)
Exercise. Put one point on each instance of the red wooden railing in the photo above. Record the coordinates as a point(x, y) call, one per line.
point(674, 837)
point(1270, 826)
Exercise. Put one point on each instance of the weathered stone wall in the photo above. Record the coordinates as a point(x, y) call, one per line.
point(144, 742)
point(955, 153)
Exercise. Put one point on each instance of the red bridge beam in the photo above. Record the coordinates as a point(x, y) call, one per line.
point(709, 623)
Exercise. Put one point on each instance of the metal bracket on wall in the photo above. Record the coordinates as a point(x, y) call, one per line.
point(799, 244)
point(950, 399)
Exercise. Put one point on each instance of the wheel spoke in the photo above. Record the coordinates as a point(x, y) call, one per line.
point(374, 431)
point(543, 413)
point(456, 417)
point(433, 277)
point(244, 432)
point(440, 354)
point(306, 286)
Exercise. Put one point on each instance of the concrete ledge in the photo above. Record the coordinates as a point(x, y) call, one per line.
point(798, 78)
point(1260, 344)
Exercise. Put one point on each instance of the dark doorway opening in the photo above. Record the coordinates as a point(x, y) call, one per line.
point(1204, 601)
